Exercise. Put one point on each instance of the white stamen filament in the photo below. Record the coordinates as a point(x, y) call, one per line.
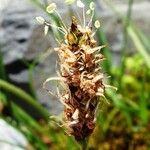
point(82, 75)
point(90, 51)
point(94, 121)
point(46, 28)
point(87, 104)
point(65, 28)
point(93, 34)
point(89, 24)
point(99, 77)
point(66, 68)
point(83, 17)
point(62, 100)
point(101, 95)
point(97, 61)
point(109, 86)
point(61, 79)
point(100, 90)
point(57, 40)
point(96, 109)
point(56, 27)
point(97, 69)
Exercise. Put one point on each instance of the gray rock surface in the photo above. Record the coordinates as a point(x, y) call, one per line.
point(22, 38)
point(113, 27)
point(11, 138)
point(17, 31)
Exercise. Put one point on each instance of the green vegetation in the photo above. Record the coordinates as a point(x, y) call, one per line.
point(123, 124)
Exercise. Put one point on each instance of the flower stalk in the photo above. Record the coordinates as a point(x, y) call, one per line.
point(80, 75)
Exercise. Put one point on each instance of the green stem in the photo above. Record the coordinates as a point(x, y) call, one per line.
point(84, 144)
point(2, 68)
point(25, 97)
point(127, 22)
point(30, 77)
point(140, 47)
point(24, 118)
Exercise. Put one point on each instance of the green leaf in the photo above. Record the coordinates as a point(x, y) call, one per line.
point(140, 47)
point(33, 128)
point(24, 97)
point(143, 38)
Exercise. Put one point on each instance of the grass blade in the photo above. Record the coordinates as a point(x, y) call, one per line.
point(25, 97)
point(140, 47)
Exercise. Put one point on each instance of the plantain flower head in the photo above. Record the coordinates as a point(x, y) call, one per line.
point(79, 74)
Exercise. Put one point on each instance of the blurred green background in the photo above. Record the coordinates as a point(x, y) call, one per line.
point(124, 124)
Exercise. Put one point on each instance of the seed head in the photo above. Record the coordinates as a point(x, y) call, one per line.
point(80, 75)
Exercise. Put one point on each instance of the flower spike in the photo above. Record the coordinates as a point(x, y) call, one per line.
point(80, 76)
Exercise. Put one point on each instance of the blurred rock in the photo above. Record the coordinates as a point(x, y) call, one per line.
point(11, 138)
point(113, 26)
point(22, 38)
point(17, 31)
